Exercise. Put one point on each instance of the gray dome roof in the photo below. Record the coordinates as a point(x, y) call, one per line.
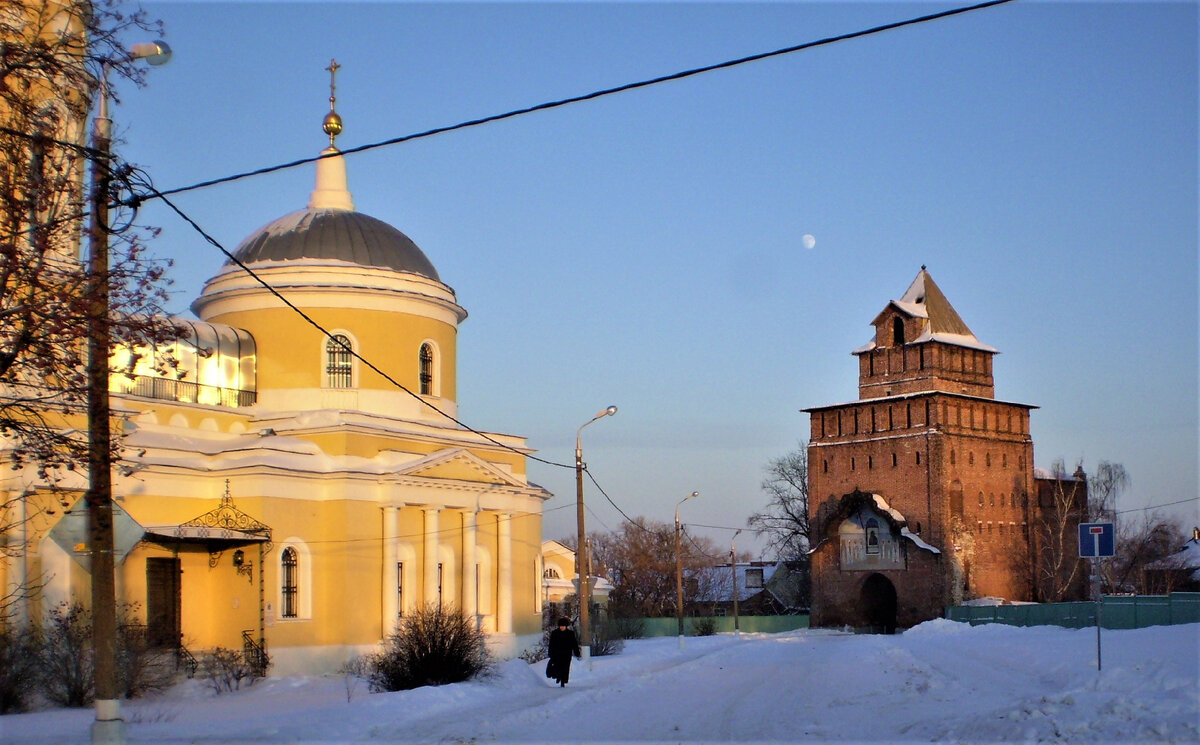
point(335, 234)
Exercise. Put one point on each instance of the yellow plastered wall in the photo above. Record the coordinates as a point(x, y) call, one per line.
point(527, 550)
point(291, 352)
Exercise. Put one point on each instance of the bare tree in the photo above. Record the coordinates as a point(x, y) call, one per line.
point(1105, 486)
point(1141, 543)
point(52, 55)
point(639, 560)
point(784, 522)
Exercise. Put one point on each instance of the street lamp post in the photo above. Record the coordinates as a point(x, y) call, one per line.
point(582, 563)
point(679, 570)
point(107, 727)
point(733, 566)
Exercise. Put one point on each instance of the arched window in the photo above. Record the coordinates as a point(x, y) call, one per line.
point(898, 331)
point(426, 370)
point(290, 580)
point(551, 573)
point(339, 368)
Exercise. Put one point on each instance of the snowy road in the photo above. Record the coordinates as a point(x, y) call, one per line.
point(939, 682)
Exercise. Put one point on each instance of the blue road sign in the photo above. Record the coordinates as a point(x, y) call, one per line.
point(1096, 540)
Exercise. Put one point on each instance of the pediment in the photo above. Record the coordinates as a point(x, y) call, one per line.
point(458, 464)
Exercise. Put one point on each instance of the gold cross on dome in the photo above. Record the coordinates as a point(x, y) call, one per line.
point(333, 122)
point(332, 70)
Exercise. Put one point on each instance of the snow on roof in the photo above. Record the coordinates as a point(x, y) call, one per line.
point(882, 504)
point(1187, 557)
point(914, 394)
point(924, 299)
point(959, 340)
point(1046, 473)
point(716, 582)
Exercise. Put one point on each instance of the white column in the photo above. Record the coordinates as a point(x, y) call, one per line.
point(469, 590)
point(387, 604)
point(430, 560)
point(504, 575)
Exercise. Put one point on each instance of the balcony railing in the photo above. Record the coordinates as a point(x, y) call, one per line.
point(163, 389)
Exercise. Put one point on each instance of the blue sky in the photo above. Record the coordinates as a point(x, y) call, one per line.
point(645, 249)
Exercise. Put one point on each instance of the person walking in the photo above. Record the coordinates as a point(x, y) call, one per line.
point(563, 645)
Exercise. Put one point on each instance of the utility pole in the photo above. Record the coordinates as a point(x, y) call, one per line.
point(733, 567)
point(107, 728)
point(99, 494)
point(583, 567)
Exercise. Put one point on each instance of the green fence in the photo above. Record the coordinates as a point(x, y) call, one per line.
point(747, 624)
point(1117, 612)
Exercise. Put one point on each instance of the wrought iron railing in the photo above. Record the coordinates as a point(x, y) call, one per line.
point(186, 661)
point(255, 654)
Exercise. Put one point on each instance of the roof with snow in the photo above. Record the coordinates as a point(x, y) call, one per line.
point(924, 299)
point(1187, 557)
point(854, 501)
point(715, 583)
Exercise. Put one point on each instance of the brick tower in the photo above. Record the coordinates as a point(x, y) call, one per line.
point(920, 489)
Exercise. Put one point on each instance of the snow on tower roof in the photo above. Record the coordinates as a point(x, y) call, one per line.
point(924, 299)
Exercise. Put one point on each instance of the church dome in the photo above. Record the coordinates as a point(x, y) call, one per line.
point(338, 234)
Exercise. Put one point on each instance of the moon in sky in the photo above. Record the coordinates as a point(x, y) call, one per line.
point(808, 240)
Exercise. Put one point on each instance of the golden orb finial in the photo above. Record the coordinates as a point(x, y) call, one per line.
point(333, 121)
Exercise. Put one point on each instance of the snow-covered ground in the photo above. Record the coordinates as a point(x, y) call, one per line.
point(941, 681)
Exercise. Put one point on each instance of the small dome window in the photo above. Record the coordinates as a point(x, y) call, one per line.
point(426, 367)
point(339, 362)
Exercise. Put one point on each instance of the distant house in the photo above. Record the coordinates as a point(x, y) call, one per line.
point(764, 588)
point(559, 585)
point(1179, 572)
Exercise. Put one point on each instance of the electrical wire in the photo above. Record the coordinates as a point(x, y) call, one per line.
point(589, 96)
point(1156, 506)
point(717, 527)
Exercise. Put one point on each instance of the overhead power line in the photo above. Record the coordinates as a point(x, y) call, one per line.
point(587, 96)
point(1156, 506)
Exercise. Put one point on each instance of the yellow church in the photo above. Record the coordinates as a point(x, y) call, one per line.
point(303, 481)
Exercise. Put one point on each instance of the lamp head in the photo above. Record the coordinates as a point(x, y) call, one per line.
point(693, 494)
point(154, 52)
point(607, 412)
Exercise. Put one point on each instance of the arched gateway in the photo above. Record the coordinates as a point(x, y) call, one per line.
point(878, 601)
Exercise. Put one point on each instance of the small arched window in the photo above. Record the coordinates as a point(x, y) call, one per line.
point(551, 573)
point(339, 367)
point(290, 580)
point(898, 331)
point(426, 363)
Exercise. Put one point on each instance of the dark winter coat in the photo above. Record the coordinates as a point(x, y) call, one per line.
point(563, 645)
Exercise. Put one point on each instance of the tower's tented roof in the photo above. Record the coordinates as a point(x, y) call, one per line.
point(924, 299)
